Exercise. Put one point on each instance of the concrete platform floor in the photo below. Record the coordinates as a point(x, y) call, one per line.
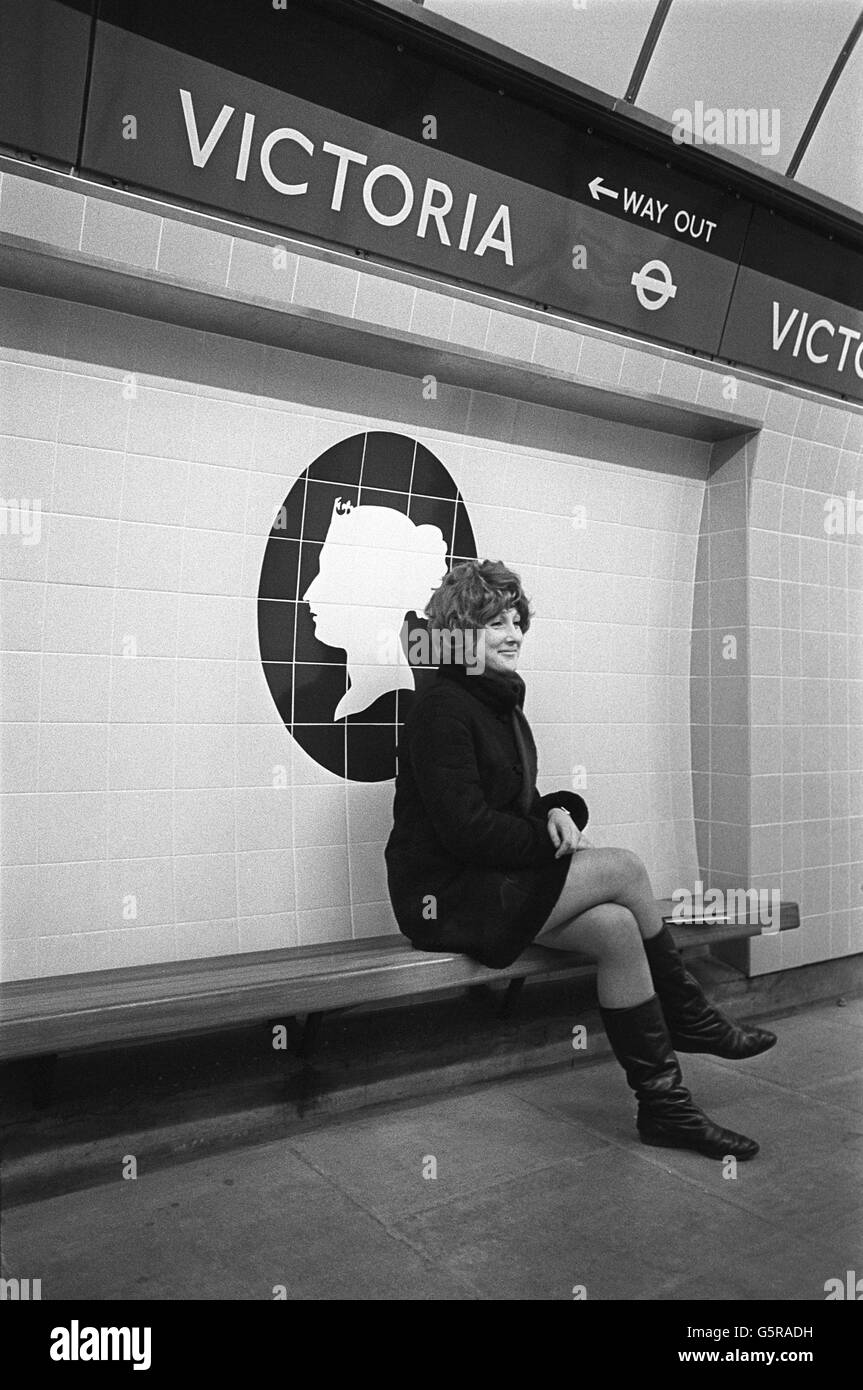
point(540, 1186)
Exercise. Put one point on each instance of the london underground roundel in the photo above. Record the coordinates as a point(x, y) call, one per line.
point(364, 537)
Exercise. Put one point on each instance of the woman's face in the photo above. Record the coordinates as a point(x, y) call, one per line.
point(503, 638)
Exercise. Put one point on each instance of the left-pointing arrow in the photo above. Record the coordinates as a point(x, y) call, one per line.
point(596, 187)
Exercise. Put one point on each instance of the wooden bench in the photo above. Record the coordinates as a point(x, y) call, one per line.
point(40, 1018)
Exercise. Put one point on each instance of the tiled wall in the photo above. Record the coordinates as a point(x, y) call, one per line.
point(154, 807)
point(805, 600)
point(141, 743)
point(777, 731)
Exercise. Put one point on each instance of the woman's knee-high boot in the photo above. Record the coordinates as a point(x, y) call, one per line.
point(667, 1114)
point(694, 1023)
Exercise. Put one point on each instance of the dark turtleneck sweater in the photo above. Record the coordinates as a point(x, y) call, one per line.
point(503, 692)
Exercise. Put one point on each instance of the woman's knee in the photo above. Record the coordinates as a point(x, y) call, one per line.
point(628, 866)
point(617, 935)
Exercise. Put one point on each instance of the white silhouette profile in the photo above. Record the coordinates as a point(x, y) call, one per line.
point(376, 566)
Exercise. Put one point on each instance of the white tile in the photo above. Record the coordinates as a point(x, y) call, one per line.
point(142, 690)
point(274, 932)
point(320, 816)
point(206, 691)
point(265, 883)
point(368, 876)
point(78, 618)
point(138, 893)
point(264, 755)
point(285, 443)
point(204, 821)
point(223, 433)
point(374, 919)
point(149, 557)
point(87, 481)
point(19, 757)
point(70, 898)
point(264, 818)
point(205, 887)
point(216, 498)
point(207, 625)
point(31, 400)
point(205, 755)
point(198, 940)
point(141, 757)
point(74, 687)
point(133, 946)
point(81, 550)
point(26, 469)
point(212, 562)
point(19, 828)
point(21, 607)
point(161, 423)
point(316, 926)
point(73, 757)
point(19, 960)
point(266, 495)
point(93, 412)
point(154, 490)
point(139, 824)
point(322, 877)
point(370, 811)
point(254, 701)
point(19, 689)
point(144, 623)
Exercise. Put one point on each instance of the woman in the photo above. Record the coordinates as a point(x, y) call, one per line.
point(479, 862)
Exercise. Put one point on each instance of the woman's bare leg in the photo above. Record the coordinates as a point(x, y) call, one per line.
point(607, 876)
point(609, 934)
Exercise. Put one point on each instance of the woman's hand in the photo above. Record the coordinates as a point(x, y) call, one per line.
point(564, 832)
point(584, 843)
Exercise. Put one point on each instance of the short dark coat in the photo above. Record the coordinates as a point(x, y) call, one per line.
point(467, 869)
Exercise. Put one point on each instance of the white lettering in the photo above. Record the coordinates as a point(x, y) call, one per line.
point(779, 338)
point(274, 138)
point(388, 219)
point(345, 157)
point(201, 153)
point(436, 202)
point(502, 216)
point(428, 209)
point(819, 323)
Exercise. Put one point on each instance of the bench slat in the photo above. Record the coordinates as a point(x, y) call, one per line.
point(69, 1012)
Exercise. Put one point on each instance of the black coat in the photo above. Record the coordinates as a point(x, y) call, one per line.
point(470, 862)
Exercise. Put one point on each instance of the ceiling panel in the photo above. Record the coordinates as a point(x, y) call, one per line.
point(833, 162)
point(773, 56)
point(597, 43)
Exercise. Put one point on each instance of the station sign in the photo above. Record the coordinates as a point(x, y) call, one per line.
point(807, 327)
point(590, 227)
point(656, 260)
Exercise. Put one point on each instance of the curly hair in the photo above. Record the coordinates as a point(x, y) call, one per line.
point(474, 593)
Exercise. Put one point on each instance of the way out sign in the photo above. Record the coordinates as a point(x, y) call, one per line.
point(655, 211)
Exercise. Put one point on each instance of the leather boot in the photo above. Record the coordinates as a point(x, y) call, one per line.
point(667, 1114)
point(694, 1023)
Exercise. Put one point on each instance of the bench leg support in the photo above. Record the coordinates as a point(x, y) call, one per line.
point(309, 1035)
point(42, 1071)
point(511, 997)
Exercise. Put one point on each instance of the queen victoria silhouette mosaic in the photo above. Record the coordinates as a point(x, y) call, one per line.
point(364, 537)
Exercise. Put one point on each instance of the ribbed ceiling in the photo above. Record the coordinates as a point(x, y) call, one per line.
point(776, 57)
